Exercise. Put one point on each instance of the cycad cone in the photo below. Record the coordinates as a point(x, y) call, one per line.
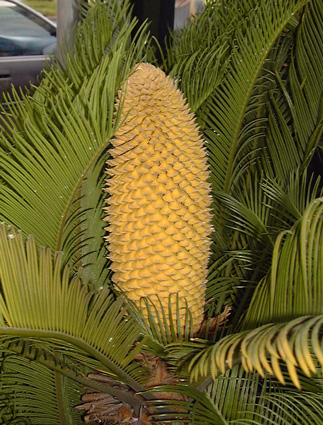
point(158, 213)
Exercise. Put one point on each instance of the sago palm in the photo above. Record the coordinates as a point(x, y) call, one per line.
point(138, 283)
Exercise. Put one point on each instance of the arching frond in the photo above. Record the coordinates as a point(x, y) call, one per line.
point(60, 133)
point(39, 300)
point(293, 287)
point(242, 398)
point(233, 116)
point(225, 112)
point(258, 214)
point(251, 71)
point(297, 344)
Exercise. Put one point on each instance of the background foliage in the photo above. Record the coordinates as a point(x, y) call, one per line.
point(251, 72)
point(46, 7)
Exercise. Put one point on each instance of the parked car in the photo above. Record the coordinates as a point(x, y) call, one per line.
point(26, 40)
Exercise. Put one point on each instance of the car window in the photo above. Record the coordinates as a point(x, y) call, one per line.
point(22, 32)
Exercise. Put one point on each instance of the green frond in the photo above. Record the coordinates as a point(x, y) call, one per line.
point(233, 115)
point(246, 398)
point(295, 111)
point(258, 214)
point(254, 37)
point(293, 287)
point(162, 326)
point(296, 344)
point(92, 322)
point(251, 72)
point(31, 389)
point(251, 220)
point(283, 151)
point(219, 291)
point(199, 55)
point(291, 200)
point(92, 255)
point(301, 408)
point(188, 406)
point(248, 253)
point(308, 57)
point(61, 135)
point(237, 394)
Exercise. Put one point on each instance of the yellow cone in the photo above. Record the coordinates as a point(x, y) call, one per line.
point(158, 208)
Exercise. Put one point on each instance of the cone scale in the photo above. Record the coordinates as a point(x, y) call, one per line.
point(158, 209)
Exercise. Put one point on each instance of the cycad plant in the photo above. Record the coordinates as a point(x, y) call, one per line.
point(91, 329)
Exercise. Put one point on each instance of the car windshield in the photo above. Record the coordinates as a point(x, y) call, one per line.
point(22, 32)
